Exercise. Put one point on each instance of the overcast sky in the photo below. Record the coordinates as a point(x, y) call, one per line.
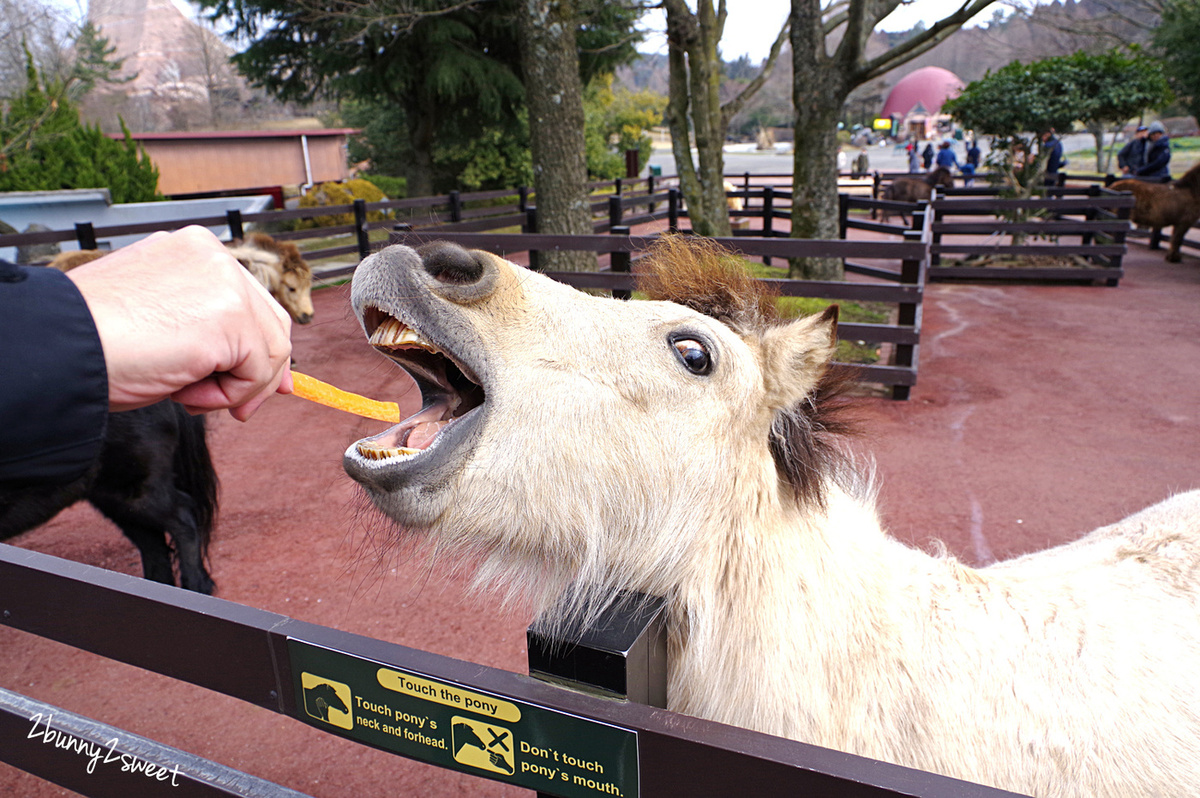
point(752, 25)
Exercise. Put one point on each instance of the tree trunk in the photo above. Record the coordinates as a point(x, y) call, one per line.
point(695, 82)
point(819, 91)
point(554, 97)
point(420, 170)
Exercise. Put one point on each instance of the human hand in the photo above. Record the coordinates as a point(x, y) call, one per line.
point(179, 318)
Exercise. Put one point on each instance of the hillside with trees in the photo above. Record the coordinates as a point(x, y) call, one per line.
point(1036, 32)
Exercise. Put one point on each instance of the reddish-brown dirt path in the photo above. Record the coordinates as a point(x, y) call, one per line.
point(1041, 413)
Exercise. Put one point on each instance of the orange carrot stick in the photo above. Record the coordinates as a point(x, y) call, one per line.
point(323, 393)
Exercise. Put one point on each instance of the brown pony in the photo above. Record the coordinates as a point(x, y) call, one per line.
point(915, 189)
point(1158, 205)
point(278, 265)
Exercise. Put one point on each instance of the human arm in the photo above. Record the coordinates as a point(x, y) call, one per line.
point(53, 383)
point(179, 318)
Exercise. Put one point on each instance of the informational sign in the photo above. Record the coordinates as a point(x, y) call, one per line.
point(882, 123)
point(462, 729)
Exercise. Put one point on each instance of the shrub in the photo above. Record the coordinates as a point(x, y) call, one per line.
point(332, 194)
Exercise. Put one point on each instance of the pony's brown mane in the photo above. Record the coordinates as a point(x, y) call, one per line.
point(699, 274)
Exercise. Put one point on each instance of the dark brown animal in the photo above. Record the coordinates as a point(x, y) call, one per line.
point(915, 189)
point(1158, 205)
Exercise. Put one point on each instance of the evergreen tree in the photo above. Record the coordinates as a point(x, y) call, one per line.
point(44, 147)
point(1177, 37)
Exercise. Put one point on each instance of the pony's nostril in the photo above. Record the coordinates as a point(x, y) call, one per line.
point(450, 263)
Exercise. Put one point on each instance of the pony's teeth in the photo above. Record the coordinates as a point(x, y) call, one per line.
point(392, 334)
point(376, 453)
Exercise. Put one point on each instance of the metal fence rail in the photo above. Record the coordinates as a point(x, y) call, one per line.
point(648, 752)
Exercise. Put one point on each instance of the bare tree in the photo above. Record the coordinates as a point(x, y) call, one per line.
point(695, 107)
point(829, 60)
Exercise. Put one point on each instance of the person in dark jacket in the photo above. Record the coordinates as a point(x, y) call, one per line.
point(173, 316)
point(1056, 161)
point(1133, 155)
point(1158, 154)
point(927, 156)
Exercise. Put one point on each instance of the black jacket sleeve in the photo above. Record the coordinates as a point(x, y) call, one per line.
point(53, 381)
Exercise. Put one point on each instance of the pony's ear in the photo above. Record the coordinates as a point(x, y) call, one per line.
point(795, 356)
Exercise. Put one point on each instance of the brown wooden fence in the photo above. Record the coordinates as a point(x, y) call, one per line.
point(280, 664)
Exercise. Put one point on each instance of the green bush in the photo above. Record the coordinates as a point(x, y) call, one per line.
point(331, 193)
point(393, 187)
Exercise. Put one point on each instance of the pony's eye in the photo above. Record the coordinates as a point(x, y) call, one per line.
point(694, 355)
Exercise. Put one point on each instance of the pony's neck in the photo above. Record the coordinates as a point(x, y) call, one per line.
point(797, 604)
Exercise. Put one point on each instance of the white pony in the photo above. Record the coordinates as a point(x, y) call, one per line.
point(687, 449)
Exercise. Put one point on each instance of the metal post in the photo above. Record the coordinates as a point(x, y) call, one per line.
point(673, 210)
point(615, 212)
point(233, 218)
point(531, 226)
point(85, 234)
point(622, 654)
point(768, 218)
point(620, 262)
point(361, 228)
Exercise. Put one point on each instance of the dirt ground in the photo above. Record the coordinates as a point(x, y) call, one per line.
point(1041, 412)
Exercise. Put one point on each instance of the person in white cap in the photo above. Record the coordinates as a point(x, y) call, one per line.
point(1158, 154)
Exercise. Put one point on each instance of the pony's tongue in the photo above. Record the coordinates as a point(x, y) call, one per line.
point(410, 436)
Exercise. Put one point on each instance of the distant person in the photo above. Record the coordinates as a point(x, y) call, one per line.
point(971, 166)
point(1132, 156)
point(1158, 153)
point(927, 156)
point(914, 157)
point(862, 164)
point(973, 154)
point(946, 159)
point(1056, 161)
point(841, 160)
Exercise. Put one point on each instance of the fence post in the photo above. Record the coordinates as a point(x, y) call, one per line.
point(522, 198)
point(455, 207)
point(768, 217)
point(233, 218)
point(650, 192)
point(531, 226)
point(617, 186)
point(361, 228)
point(615, 212)
point(623, 652)
point(619, 262)
point(673, 209)
point(908, 313)
point(85, 234)
point(843, 214)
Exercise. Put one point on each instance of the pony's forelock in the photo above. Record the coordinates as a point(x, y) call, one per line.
point(805, 438)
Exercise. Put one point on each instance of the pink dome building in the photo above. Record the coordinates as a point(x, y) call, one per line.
point(918, 97)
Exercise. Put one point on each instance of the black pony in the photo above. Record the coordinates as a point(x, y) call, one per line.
point(154, 477)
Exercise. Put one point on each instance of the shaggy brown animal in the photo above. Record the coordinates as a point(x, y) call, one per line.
point(915, 189)
point(278, 265)
point(1158, 205)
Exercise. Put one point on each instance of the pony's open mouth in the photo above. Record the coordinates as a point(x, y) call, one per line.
point(449, 391)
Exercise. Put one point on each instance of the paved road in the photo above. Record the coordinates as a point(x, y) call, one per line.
point(744, 158)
